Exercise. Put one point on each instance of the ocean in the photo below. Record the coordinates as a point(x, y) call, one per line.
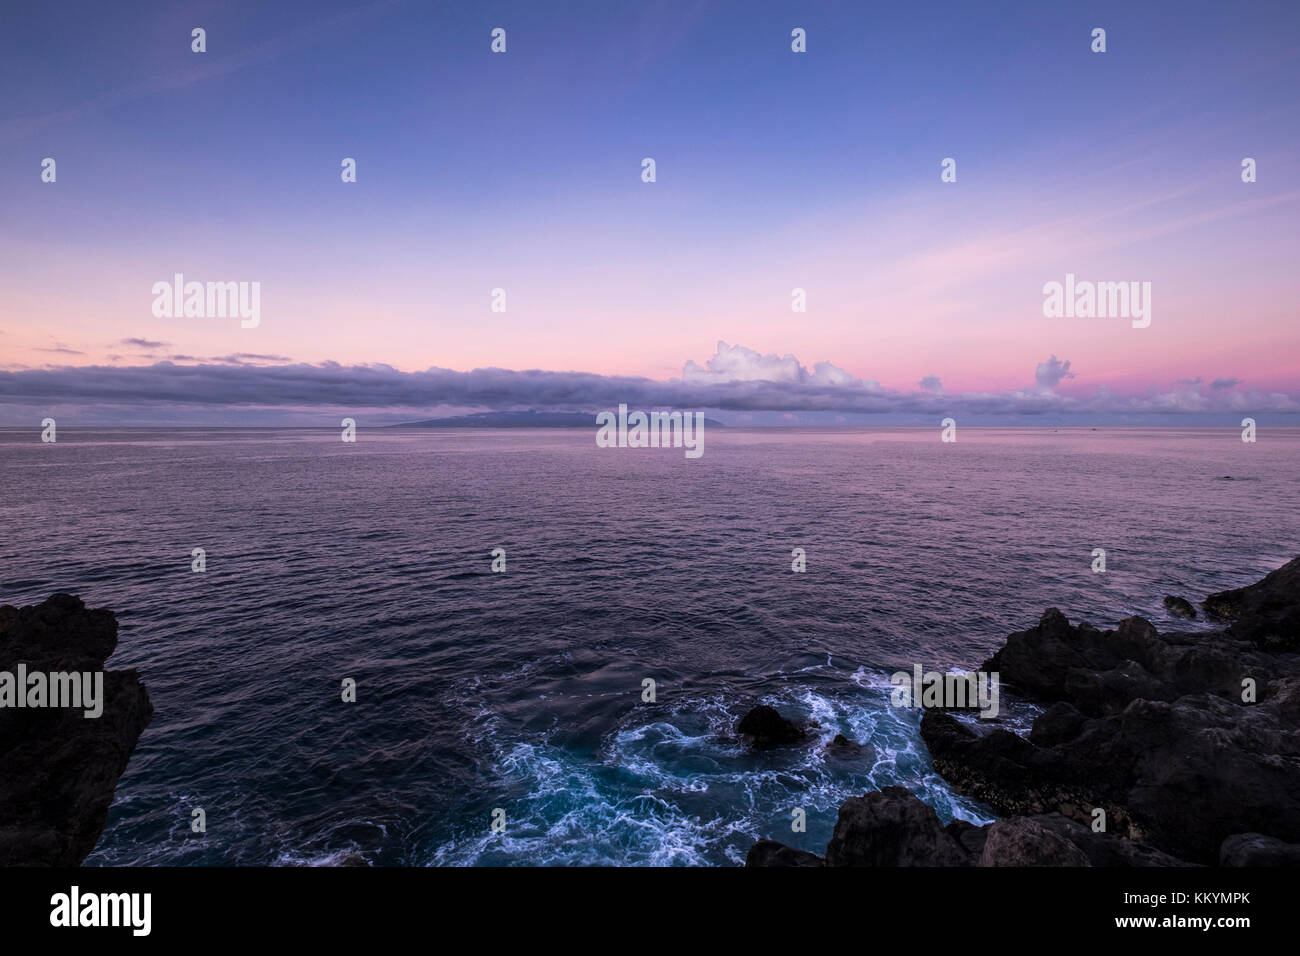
point(522, 691)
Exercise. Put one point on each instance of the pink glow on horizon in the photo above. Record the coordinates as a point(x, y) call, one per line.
point(895, 293)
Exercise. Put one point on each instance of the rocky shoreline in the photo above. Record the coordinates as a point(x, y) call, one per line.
point(1188, 744)
point(60, 766)
point(1183, 746)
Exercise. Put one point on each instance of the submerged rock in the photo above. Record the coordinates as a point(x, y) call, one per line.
point(1179, 607)
point(61, 767)
point(765, 727)
point(841, 748)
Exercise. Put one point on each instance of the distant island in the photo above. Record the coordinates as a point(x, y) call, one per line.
point(528, 419)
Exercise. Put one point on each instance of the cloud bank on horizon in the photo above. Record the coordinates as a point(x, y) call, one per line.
point(756, 388)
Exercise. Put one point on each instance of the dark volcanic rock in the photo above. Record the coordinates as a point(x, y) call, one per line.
point(841, 748)
point(60, 767)
point(771, 853)
point(1255, 849)
point(892, 827)
point(1189, 742)
point(1023, 841)
point(1097, 671)
point(1266, 613)
point(1180, 607)
point(1105, 849)
point(767, 728)
point(1059, 723)
point(1154, 729)
point(971, 837)
point(1182, 776)
point(1011, 774)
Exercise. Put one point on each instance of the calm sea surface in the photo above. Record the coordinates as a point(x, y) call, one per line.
point(522, 691)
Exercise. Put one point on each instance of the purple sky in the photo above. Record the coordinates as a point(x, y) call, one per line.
point(775, 170)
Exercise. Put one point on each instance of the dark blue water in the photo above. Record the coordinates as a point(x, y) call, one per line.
point(522, 690)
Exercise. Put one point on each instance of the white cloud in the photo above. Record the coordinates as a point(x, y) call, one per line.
point(735, 363)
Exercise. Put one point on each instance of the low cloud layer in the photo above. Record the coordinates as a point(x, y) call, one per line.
point(735, 379)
